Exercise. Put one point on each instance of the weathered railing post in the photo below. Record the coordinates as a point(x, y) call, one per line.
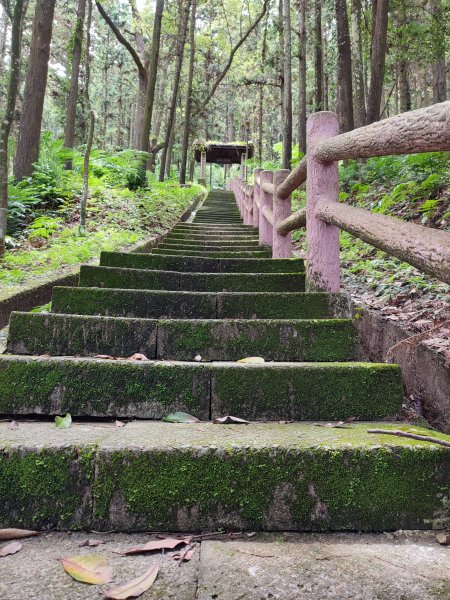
point(256, 197)
point(282, 244)
point(321, 184)
point(265, 228)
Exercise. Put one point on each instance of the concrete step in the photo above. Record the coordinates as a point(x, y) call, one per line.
point(231, 237)
point(213, 248)
point(251, 243)
point(211, 228)
point(148, 389)
point(161, 304)
point(224, 340)
point(146, 279)
point(195, 264)
point(151, 476)
point(213, 254)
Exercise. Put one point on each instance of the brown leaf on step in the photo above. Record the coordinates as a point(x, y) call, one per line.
point(13, 425)
point(104, 356)
point(91, 543)
point(185, 555)
point(90, 568)
point(229, 420)
point(165, 544)
point(135, 587)
point(285, 422)
point(16, 534)
point(443, 538)
point(120, 424)
point(137, 356)
point(11, 548)
point(337, 424)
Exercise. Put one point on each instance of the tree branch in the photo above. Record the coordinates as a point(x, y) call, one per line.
point(231, 57)
point(122, 39)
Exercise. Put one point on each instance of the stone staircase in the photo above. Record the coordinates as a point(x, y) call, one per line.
point(210, 291)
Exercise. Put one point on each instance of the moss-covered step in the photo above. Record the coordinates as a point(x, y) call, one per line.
point(305, 391)
point(213, 254)
point(198, 305)
point(194, 227)
point(193, 264)
point(163, 476)
point(102, 388)
point(207, 237)
point(212, 242)
point(202, 248)
point(78, 335)
point(119, 278)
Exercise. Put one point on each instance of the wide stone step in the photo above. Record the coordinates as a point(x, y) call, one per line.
point(145, 279)
point(229, 340)
point(214, 254)
point(214, 248)
point(211, 265)
point(153, 476)
point(155, 304)
point(210, 236)
point(194, 227)
point(149, 389)
point(249, 243)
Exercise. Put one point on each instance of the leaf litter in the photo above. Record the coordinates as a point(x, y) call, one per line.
point(63, 422)
point(155, 545)
point(134, 587)
point(11, 548)
point(89, 568)
point(180, 417)
point(16, 534)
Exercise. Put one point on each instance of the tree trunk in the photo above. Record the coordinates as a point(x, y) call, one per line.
point(318, 60)
point(438, 47)
point(3, 38)
point(404, 88)
point(379, 46)
point(184, 6)
point(287, 78)
point(27, 151)
point(302, 76)
point(344, 71)
point(157, 121)
point(72, 99)
point(152, 72)
point(188, 105)
point(87, 58)
point(18, 17)
point(357, 63)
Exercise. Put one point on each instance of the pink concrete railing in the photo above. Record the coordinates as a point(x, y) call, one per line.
point(266, 205)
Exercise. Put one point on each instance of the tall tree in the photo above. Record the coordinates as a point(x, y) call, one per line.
point(318, 58)
point(183, 18)
point(439, 37)
point(188, 103)
point(72, 98)
point(302, 76)
point(358, 64)
point(380, 14)
point(287, 99)
point(3, 39)
point(17, 20)
point(344, 72)
point(27, 151)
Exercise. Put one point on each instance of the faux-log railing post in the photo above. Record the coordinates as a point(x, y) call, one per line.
point(322, 184)
point(256, 197)
point(247, 205)
point(265, 228)
point(282, 244)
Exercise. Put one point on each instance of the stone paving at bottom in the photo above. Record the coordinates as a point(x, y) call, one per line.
point(286, 566)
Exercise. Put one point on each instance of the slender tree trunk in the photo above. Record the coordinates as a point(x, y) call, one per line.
point(379, 47)
point(302, 76)
point(404, 87)
point(18, 17)
point(344, 71)
point(72, 99)
point(318, 59)
point(159, 103)
point(281, 60)
point(287, 67)
point(438, 47)
point(188, 105)
point(184, 6)
point(357, 63)
point(87, 58)
point(87, 154)
point(3, 38)
point(27, 151)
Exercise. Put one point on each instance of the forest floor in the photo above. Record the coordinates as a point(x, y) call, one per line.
point(248, 566)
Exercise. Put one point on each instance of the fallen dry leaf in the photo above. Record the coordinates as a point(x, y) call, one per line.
point(443, 538)
point(90, 568)
point(135, 587)
point(180, 417)
point(16, 534)
point(11, 548)
point(120, 424)
point(253, 360)
point(137, 356)
point(13, 425)
point(337, 424)
point(104, 356)
point(229, 419)
point(91, 543)
point(198, 358)
point(165, 544)
point(184, 556)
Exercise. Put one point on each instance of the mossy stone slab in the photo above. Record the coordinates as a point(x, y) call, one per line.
point(305, 391)
point(213, 254)
point(100, 387)
point(198, 265)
